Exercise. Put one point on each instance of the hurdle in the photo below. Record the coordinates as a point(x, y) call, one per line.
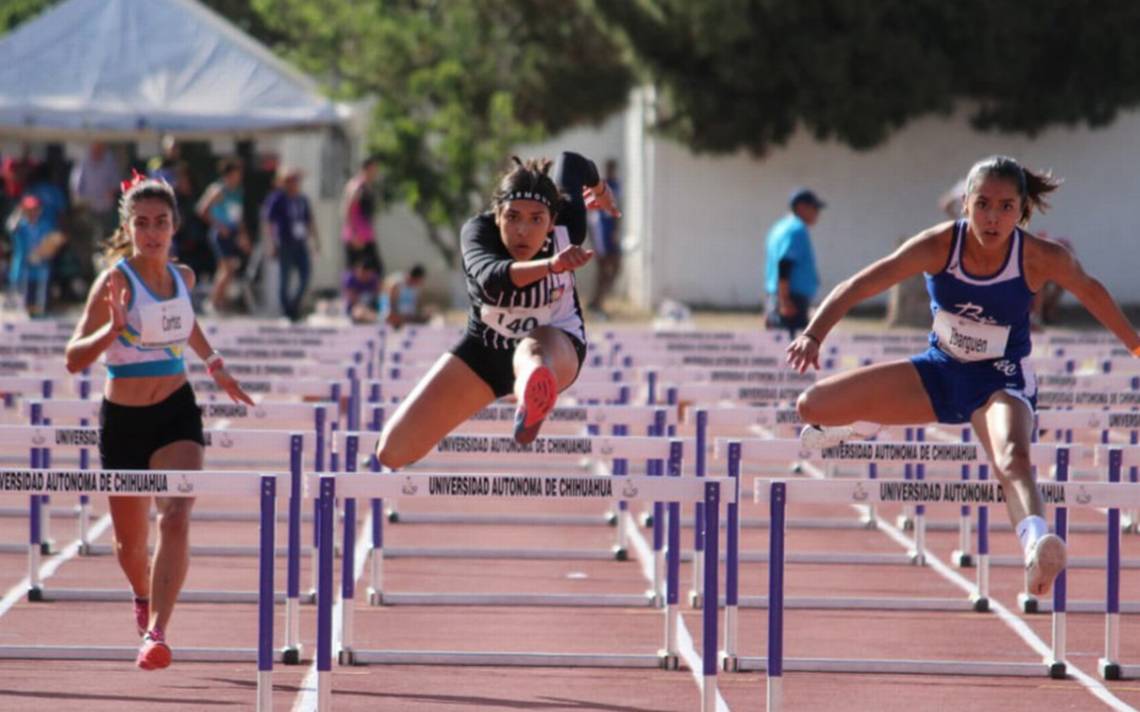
point(509, 486)
point(554, 448)
point(253, 441)
point(777, 493)
point(173, 483)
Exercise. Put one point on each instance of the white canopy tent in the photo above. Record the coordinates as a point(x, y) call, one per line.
point(122, 69)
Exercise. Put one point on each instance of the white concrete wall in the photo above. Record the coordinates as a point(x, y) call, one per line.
point(710, 214)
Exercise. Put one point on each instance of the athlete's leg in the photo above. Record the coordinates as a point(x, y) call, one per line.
point(172, 550)
point(130, 521)
point(546, 346)
point(447, 395)
point(887, 394)
point(1004, 426)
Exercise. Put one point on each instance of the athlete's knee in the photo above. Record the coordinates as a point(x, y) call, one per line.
point(394, 452)
point(810, 405)
point(132, 547)
point(175, 520)
point(1011, 460)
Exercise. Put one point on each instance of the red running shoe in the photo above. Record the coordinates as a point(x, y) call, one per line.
point(539, 396)
point(142, 614)
point(155, 653)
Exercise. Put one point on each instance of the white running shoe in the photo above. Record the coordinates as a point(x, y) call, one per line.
point(1045, 561)
point(815, 437)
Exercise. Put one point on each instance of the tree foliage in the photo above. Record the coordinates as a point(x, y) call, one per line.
point(745, 73)
point(456, 84)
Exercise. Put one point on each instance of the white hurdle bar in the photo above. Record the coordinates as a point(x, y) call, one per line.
point(462, 448)
point(674, 489)
point(255, 444)
point(777, 493)
point(147, 483)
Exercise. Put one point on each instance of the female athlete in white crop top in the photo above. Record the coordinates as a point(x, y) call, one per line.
point(139, 318)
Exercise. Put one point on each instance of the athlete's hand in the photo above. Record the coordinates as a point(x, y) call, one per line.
point(570, 259)
point(803, 352)
point(117, 307)
point(230, 385)
point(601, 197)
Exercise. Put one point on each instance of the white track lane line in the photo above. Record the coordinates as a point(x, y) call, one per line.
point(684, 640)
point(306, 700)
point(1094, 686)
point(18, 592)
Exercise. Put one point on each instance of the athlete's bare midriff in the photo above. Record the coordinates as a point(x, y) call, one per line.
point(142, 391)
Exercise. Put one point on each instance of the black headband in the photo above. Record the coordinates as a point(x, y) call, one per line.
point(527, 195)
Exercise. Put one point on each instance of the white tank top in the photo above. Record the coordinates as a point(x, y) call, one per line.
point(156, 332)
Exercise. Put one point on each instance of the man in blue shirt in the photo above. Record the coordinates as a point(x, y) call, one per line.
point(288, 219)
point(791, 279)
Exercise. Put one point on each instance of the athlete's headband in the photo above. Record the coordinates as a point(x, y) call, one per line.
point(527, 195)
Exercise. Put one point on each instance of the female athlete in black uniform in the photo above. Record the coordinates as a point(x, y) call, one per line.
point(525, 332)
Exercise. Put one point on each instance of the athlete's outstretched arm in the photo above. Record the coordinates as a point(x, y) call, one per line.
point(103, 319)
point(925, 252)
point(1061, 266)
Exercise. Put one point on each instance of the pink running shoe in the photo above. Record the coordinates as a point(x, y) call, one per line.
point(155, 653)
point(142, 614)
point(539, 396)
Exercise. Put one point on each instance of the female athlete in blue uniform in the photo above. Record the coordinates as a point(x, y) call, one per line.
point(981, 272)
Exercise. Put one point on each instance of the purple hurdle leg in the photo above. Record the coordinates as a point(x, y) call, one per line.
point(981, 597)
point(961, 556)
point(1060, 589)
point(775, 669)
point(699, 511)
point(670, 656)
point(325, 595)
point(320, 418)
point(346, 656)
point(656, 468)
point(712, 597)
point(1109, 665)
point(732, 563)
point(266, 566)
point(291, 652)
point(620, 468)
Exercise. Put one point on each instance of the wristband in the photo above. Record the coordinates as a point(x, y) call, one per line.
point(214, 362)
point(1136, 352)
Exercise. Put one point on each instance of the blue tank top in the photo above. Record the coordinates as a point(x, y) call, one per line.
point(981, 318)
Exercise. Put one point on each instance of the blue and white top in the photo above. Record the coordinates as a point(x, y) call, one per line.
point(156, 332)
point(981, 318)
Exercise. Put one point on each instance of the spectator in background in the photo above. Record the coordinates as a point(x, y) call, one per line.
point(359, 215)
point(400, 300)
point(222, 209)
point(94, 192)
point(361, 291)
point(164, 166)
point(607, 243)
point(287, 218)
point(35, 241)
point(791, 278)
point(189, 244)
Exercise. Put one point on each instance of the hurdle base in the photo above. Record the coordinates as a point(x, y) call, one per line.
point(35, 594)
point(611, 519)
point(1108, 669)
point(620, 553)
point(291, 656)
point(375, 598)
point(309, 597)
point(346, 656)
point(84, 549)
point(869, 522)
point(916, 557)
point(1057, 670)
point(47, 548)
point(646, 520)
point(1028, 604)
point(669, 661)
point(981, 604)
point(393, 516)
point(962, 559)
point(729, 663)
point(696, 600)
point(905, 523)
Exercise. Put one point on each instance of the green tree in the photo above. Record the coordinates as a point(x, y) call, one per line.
point(13, 12)
point(456, 84)
point(738, 74)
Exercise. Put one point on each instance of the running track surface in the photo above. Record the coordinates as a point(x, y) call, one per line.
point(92, 686)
